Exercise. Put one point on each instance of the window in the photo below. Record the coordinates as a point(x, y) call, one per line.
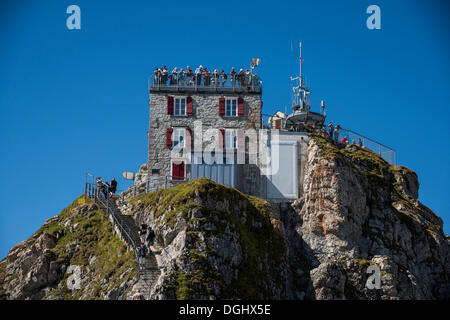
point(179, 137)
point(230, 139)
point(231, 107)
point(180, 106)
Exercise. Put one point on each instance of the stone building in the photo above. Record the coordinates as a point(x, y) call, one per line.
point(218, 116)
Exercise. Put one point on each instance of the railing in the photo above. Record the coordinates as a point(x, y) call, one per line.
point(184, 80)
point(93, 192)
point(383, 151)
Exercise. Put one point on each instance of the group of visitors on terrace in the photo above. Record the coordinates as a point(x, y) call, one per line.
point(203, 77)
point(332, 130)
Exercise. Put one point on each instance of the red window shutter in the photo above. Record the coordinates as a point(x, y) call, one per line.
point(240, 107)
point(169, 105)
point(169, 132)
point(221, 138)
point(174, 171)
point(240, 139)
point(221, 106)
point(188, 137)
point(178, 171)
point(189, 106)
point(181, 170)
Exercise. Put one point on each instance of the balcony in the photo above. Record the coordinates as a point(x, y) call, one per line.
point(190, 83)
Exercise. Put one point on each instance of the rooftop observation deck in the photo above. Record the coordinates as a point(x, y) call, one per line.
point(184, 83)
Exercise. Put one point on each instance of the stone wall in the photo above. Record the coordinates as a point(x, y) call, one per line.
point(205, 107)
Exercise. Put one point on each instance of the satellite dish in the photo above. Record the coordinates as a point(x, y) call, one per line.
point(128, 175)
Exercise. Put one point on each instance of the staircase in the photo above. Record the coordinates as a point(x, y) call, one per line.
point(147, 279)
point(128, 231)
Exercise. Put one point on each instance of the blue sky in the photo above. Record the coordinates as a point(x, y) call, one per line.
point(73, 101)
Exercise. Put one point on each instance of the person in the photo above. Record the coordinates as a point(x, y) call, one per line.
point(240, 77)
point(150, 237)
point(164, 75)
point(100, 186)
point(223, 77)
point(215, 78)
point(198, 75)
point(247, 78)
point(156, 76)
point(344, 140)
point(330, 129)
point(359, 142)
point(174, 76)
point(181, 78)
point(206, 75)
point(142, 253)
point(233, 77)
point(143, 232)
point(113, 186)
point(336, 133)
point(105, 189)
point(189, 76)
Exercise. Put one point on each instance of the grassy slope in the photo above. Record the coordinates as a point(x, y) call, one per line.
point(94, 235)
point(255, 241)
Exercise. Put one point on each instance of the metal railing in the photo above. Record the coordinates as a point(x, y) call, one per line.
point(184, 80)
point(93, 192)
point(352, 137)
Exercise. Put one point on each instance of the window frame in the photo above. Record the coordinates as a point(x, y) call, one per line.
point(231, 100)
point(231, 140)
point(179, 98)
point(175, 137)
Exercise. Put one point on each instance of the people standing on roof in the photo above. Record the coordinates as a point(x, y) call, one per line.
point(215, 78)
point(330, 129)
point(165, 75)
point(233, 77)
point(181, 77)
point(206, 77)
point(344, 140)
point(156, 75)
point(189, 76)
point(240, 77)
point(247, 78)
point(143, 232)
point(336, 133)
point(174, 76)
point(198, 75)
point(150, 237)
point(359, 142)
point(113, 186)
point(223, 78)
point(142, 253)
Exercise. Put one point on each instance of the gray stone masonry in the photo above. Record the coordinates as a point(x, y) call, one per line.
point(205, 107)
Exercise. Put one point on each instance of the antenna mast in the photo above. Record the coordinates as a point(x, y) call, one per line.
point(300, 99)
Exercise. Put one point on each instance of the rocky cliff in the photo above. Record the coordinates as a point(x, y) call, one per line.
point(217, 243)
point(74, 255)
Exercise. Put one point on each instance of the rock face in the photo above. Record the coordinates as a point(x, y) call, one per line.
point(216, 243)
point(358, 211)
point(358, 232)
point(74, 255)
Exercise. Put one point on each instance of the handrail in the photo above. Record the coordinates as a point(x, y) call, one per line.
point(91, 191)
point(193, 80)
